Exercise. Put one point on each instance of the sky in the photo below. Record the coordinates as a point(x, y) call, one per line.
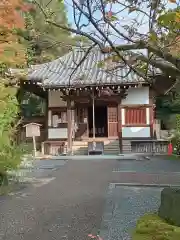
point(124, 19)
point(70, 11)
point(68, 4)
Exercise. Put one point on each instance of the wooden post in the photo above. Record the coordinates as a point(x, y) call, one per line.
point(69, 126)
point(34, 147)
point(120, 127)
point(93, 112)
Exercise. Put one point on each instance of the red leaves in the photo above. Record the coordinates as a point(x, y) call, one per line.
point(111, 16)
point(9, 15)
point(27, 7)
point(11, 19)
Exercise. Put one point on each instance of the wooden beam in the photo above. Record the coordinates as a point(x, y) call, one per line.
point(136, 125)
point(34, 88)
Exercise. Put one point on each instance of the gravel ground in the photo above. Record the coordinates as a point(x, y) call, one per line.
point(124, 206)
point(69, 207)
point(71, 203)
point(156, 165)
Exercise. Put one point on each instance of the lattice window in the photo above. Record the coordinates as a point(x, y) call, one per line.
point(82, 114)
point(61, 116)
point(112, 114)
point(134, 116)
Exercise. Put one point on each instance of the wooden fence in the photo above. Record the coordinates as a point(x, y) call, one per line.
point(149, 146)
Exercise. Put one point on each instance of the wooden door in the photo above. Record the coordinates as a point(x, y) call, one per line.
point(82, 121)
point(113, 121)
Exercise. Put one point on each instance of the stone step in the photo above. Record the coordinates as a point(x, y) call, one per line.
point(111, 146)
point(111, 152)
point(80, 143)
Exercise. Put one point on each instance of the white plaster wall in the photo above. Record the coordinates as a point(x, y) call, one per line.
point(147, 116)
point(54, 99)
point(137, 96)
point(135, 132)
point(123, 116)
point(54, 133)
point(49, 118)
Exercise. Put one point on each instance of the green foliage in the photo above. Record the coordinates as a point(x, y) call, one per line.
point(32, 105)
point(46, 42)
point(178, 122)
point(152, 227)
point(175, 138)
point(170, 19)
point(167, 107)
point(10, 153)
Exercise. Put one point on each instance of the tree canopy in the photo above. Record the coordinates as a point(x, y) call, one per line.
point(148, 30)
point(12, 49)
point(45, 41)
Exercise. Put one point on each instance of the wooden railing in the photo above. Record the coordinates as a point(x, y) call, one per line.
point(149, 146)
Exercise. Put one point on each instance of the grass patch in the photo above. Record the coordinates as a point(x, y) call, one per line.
point(11, 187)
point(173, 157)
point(4, 190)
point(152, 227)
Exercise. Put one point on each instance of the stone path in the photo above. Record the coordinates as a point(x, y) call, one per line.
point(71, 205)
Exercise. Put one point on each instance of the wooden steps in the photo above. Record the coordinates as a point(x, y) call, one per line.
point(111, 147)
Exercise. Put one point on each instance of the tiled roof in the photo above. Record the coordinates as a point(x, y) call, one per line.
point(64, 71)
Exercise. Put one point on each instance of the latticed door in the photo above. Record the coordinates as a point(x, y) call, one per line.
point(82, 121)
point(112, 121)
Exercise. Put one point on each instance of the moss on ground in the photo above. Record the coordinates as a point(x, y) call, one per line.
point(152, 227)
point(173, 157)
point(4, 190)
point(12, 188)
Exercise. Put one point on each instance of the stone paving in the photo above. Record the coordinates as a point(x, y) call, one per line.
point(135, 190)
point(154, 166)
point(32, 170)
point(71, 205)
point(124, 206)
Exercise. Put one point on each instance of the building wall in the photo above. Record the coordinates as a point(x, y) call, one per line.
point(54, 99)
point(136, 114)
point(55, 104)
point(136, 132)
point(137, 96)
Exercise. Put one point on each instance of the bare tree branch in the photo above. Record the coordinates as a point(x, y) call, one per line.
point(137, 26)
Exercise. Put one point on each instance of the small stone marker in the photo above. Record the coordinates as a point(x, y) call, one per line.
point(95, 148)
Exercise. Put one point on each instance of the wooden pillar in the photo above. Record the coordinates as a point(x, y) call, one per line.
point(93, 113)
point(47, 117)
point(151, 113)
point(120, 127)
point(69, 127)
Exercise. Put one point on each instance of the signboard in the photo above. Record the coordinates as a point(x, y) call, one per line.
point(95, 148)
point(32, 130)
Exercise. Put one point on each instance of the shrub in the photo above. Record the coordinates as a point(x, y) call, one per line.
point(175, 138)
point(152, 227)
point(10, 153)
